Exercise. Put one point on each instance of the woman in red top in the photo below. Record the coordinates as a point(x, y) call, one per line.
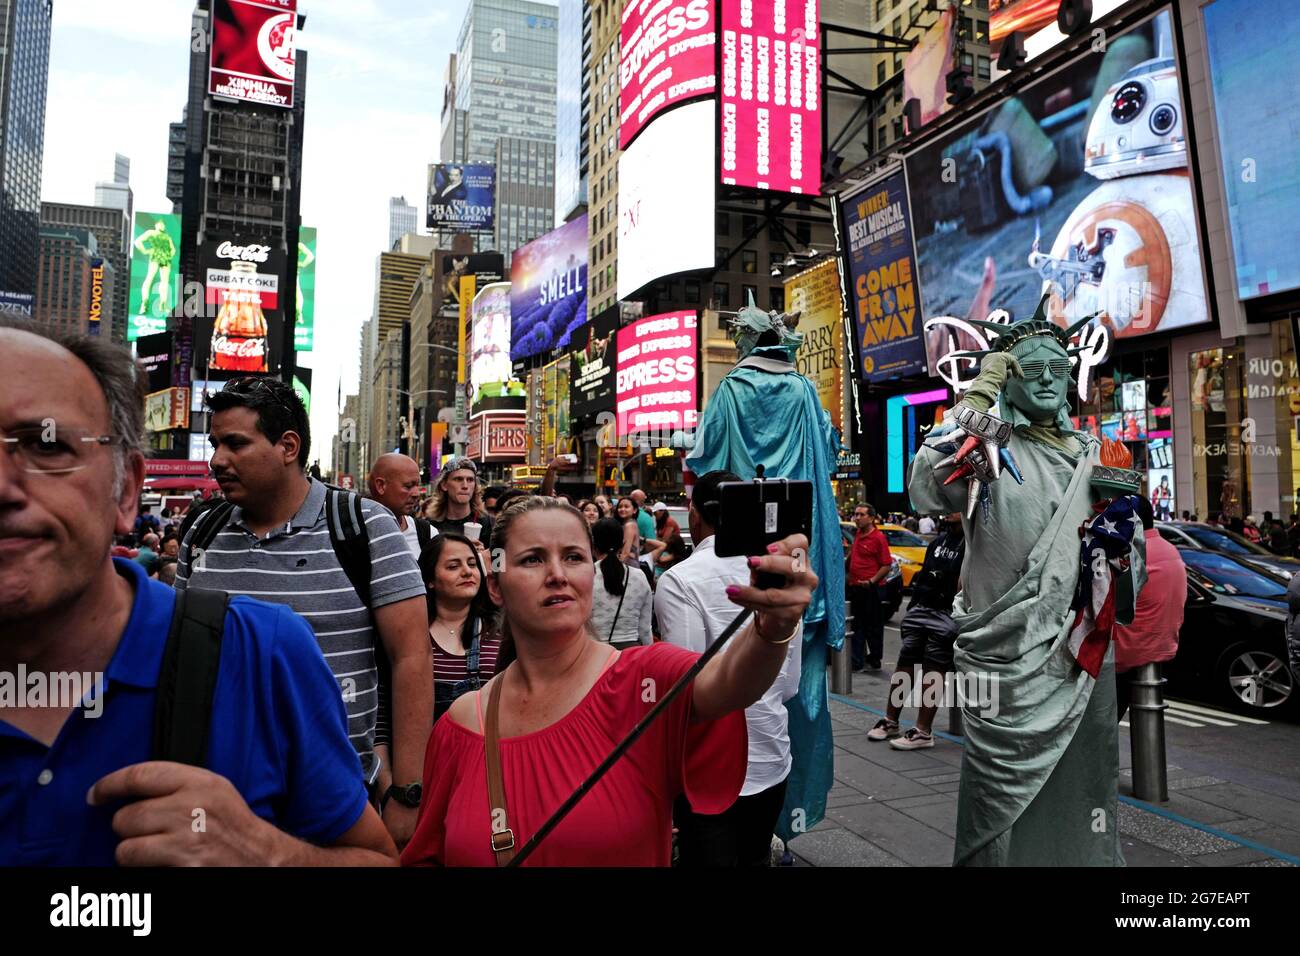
point(462, 625)
point(567, 700)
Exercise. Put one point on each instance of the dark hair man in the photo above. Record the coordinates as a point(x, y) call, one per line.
point(394, 482)
point(275, 545)
point(279, 782)
point(693, 610)
point(869, 562)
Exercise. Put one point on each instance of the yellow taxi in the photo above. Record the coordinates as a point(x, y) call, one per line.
point(908, 546)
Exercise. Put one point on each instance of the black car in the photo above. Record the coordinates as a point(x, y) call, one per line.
point(1206, 537)
point(891, 589)
point(1232, 645)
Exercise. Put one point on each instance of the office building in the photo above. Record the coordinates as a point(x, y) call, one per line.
point(401, 220)
point(24, 75)
point(573, 110)
point(74, 283)
point(111, 229)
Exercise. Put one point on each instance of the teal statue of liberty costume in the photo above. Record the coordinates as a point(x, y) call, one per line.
point(765, 413)
point(1041, 761)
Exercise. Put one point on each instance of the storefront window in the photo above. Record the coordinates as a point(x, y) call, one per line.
point(1130, 402)
point(1273, 390)
point(1220, 466)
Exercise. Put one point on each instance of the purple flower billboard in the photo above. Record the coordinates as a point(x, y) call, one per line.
point(548, 290)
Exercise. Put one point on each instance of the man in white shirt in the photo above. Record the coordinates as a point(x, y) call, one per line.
point(926, 525)
point(395, 483)
point(693, 610)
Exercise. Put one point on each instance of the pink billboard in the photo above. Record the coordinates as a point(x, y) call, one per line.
point(771, 95)
point(667, 58)
point(655, 379)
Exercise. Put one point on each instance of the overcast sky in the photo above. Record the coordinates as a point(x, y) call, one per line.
point(118, 71)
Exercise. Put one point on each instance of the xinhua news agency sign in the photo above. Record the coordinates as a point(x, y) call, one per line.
point(96, 297)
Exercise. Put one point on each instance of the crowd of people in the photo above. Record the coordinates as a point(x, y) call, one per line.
point(392, 676)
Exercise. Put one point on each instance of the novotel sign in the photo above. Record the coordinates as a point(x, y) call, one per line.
point(96, 296)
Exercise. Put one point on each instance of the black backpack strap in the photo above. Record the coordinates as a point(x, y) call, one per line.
point(350, 538)
point(203, 529)
point(183, 710)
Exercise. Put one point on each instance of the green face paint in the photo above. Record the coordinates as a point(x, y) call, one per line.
point(1041, 394)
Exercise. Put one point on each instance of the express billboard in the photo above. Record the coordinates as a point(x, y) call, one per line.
point(882, 290)
point(1083, 177)
point(490, 336)
point(1254, 73)
point(461, 196)
point(548, 290)
point(667, 57)
point(155, 273)
point(666, 197)
point(656, 374)
point(252, 51)
point(771, 95)
point(304, 327)
point(242, 280)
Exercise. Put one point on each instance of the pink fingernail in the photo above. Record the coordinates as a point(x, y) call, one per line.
point(732, 590)
point(773, 548)
point(753, 562)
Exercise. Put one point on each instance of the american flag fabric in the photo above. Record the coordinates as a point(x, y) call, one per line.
point(1104, 550)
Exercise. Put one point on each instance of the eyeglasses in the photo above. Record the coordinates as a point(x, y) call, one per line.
point(53, 451)
point(1033, 368)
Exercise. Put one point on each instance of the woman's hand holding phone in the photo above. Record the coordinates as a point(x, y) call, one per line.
point(778, 610)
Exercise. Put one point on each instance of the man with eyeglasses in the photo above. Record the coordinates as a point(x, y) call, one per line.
point(276, 544)
point(279, 783)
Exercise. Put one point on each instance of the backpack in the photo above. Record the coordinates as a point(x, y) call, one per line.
point(183, 709)
point(347, 526)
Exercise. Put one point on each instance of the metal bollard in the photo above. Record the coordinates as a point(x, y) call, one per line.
point(1147, 735)
point(954, 720)
point(842, 660)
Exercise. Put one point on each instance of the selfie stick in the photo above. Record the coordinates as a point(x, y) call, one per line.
point(629, 740)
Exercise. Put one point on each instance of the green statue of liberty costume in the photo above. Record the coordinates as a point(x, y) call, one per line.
point(765, 413)
point(1040, 765)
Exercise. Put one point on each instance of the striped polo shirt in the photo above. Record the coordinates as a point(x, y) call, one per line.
point(296, 566)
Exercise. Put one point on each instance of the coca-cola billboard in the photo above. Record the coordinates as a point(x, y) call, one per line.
point(241, 328)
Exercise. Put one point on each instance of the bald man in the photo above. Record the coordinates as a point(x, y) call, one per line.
point(395, 483)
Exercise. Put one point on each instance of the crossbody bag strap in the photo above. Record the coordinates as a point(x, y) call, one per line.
point(472, 658)
point(619, 610)
point(503, 838)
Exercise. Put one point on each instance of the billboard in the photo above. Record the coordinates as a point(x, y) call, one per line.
point(154, 354)
point(666, 198)
point(880, 268)
point(591, 374)
point(167, 409)
point(771, 95)
point(927, 65)
point(667, 58)
point(461, 196)
point(490, 336)
point(304, 326)
point(815, 295)
point(555, 408)
point(548, 290)
point(1078, 186)
point(242, 286)
point(252, 51)
point(655, 385)
point(155, 273)
point(1254, 73)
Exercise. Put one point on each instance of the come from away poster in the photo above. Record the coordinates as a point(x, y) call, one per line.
point(884, 294)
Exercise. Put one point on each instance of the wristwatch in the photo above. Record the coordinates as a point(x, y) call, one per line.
point(408, 796)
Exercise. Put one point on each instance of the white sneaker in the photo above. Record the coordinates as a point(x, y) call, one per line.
point(885, 729)
point(913, 740)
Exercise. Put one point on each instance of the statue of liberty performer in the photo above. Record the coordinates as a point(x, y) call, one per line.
point(1036, 607)
point(766, 413)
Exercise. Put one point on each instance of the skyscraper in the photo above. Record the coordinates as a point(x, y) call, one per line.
point(111, 230)
point(573, 110)
point(401, 219)
point(74, 282)
point(502, 83)
point(24, 74)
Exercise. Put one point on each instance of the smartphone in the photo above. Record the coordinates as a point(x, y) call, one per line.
point(754, 514)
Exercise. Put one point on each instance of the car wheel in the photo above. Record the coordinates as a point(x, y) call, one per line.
point(1256, 679)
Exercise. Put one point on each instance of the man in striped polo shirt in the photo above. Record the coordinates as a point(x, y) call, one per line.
point(276, 547)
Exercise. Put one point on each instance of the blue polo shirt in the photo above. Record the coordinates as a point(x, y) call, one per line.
point(279, 734)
